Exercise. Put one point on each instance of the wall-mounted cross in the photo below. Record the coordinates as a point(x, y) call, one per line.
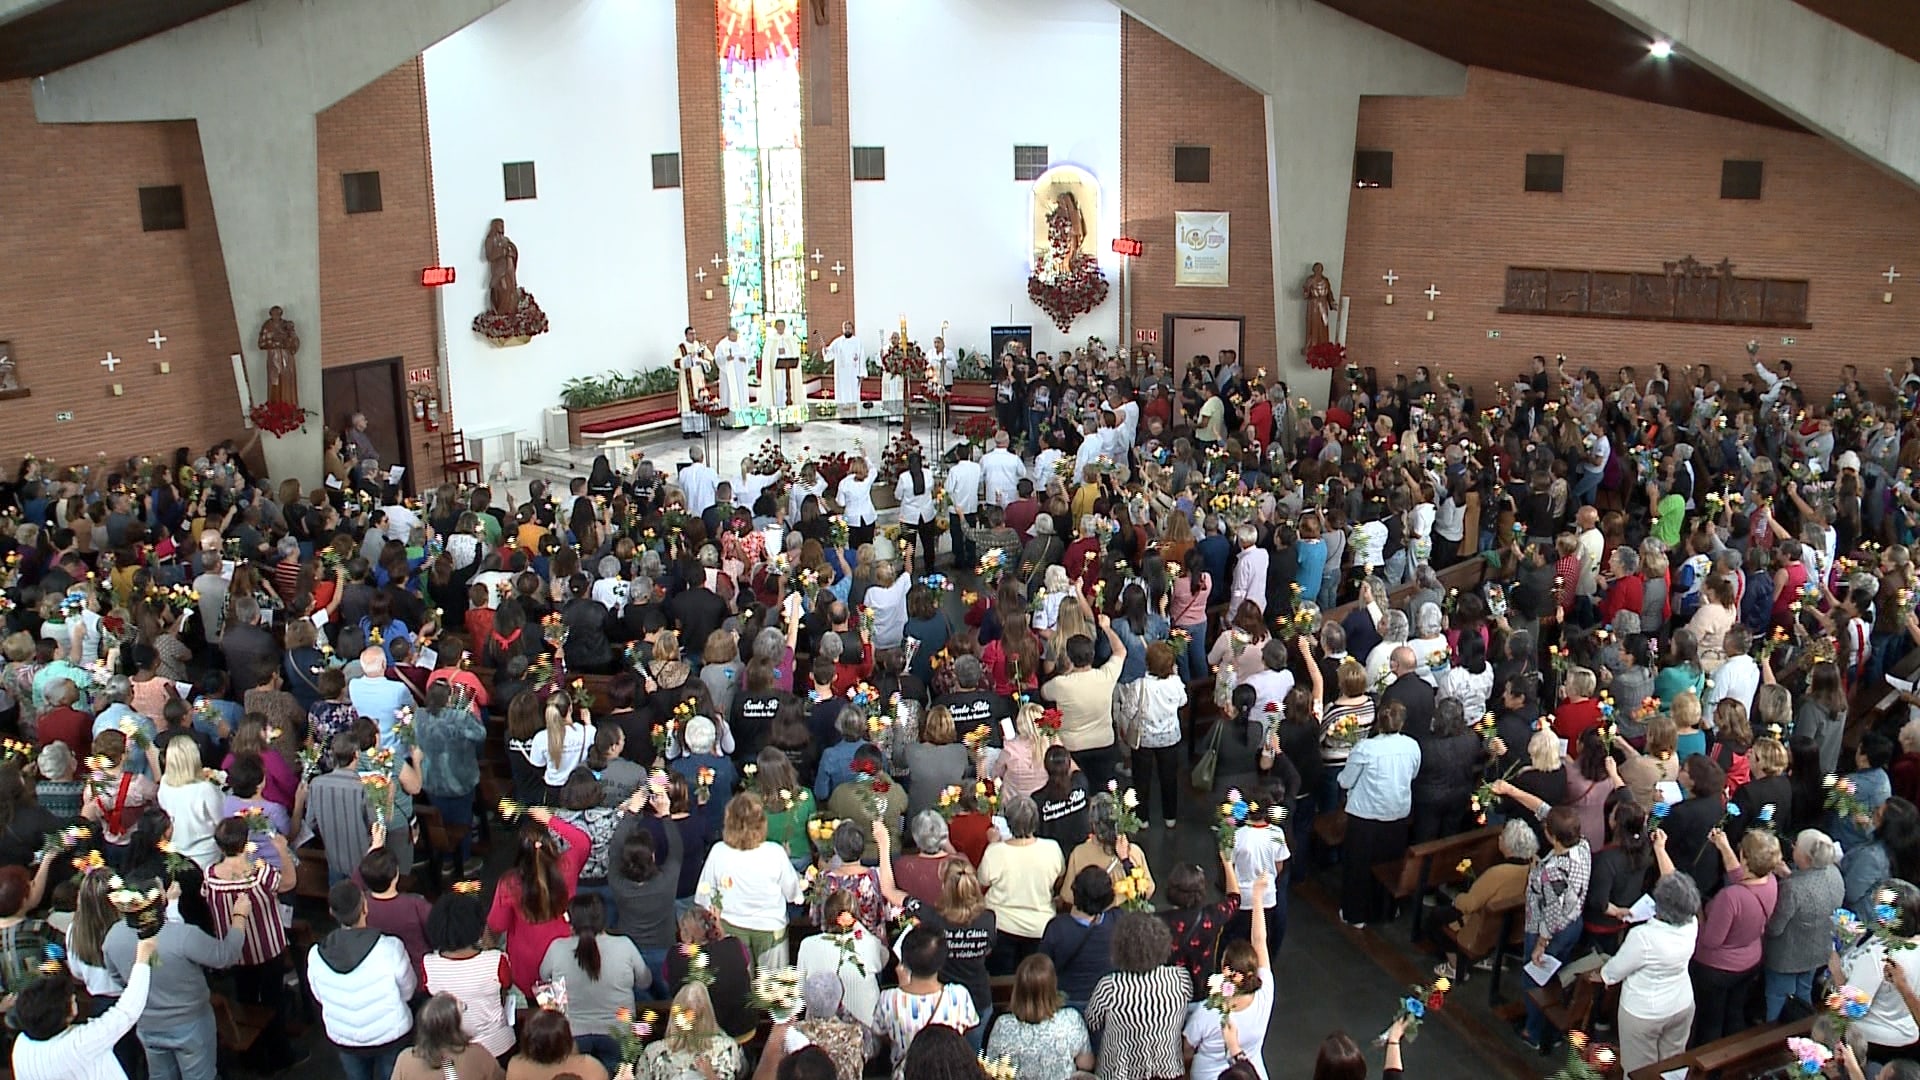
point(1389, 277)
point(158, 339)
point(1432, 291)
point(718, 262)
point(837, 268)
point(700, 275)
point(1891, 275)
point(110, 362)
point(816, 256)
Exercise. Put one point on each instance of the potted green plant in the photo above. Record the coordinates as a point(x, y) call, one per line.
point(589, 399)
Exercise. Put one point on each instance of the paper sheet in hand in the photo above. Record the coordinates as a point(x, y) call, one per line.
point(1668, 790)
point(1641, 911)
point(1543, 970)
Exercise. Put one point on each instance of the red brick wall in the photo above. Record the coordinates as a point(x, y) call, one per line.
point(702, 177)
point(828, 180)
point(372, 304)
point(1170, 97)
point(1642, 187)
point(82, 278)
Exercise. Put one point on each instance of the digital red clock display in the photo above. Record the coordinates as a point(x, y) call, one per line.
point(435, 276)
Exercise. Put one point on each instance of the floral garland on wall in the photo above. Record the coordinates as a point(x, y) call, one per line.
point(1070, 283)
point(279, 418)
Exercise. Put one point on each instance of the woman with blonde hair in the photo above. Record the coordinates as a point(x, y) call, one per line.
point(192, 801)
point(569, 735)
point(1021, 763)
point(748, 881)
point(693, 1043)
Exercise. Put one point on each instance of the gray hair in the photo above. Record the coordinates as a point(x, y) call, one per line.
point(1023, 816)
point(1676, 900)
point(969, 672)
point(1426, 621)
point(1393, 629)
point(1626, 623)
point(1818, 848)
point(769, 643)
point(56, 761)
point(1274, 654)
point(1629, 558)
point(929, 831)
point(246, 611)
point(1518, 840)
point(851, 723)
point(118, 689)
point(700, 735)
point(831, 646)
point(650, 564)
point(1103, 818)
point(709, 557)
point(1247, 535)
point(609, 567)
point(1333, 637)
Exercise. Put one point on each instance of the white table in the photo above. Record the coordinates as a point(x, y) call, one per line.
point(496, 448)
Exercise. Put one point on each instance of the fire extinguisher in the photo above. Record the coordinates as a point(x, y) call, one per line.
point(419, 407)
point(433, 413)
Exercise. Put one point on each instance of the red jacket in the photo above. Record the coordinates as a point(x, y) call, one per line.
point(68, 725)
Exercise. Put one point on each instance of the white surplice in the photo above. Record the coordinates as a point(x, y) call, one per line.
point(849, 363)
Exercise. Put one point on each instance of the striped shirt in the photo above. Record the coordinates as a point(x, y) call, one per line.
point(266, 938)
point(1141, 1015)
point(477, 981)
point(337, 810)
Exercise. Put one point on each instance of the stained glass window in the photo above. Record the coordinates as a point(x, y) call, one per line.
point(760, 141)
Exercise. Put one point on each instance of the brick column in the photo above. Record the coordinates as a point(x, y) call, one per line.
point(702, 176)
point(828, 151)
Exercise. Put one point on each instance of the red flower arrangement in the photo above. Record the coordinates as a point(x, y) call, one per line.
point(898, 456)
point(1326, 356)
point(526, 320)
point(1050, 721)
point(1070, 284)
point(976, 428)
point(865, 768)
point(832, 467)
point(906, 359)
point(277, 418)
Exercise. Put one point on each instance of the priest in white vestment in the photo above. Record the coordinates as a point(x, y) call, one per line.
point(848, 365)
point(694, 363)
point(942, 362)
point(778, 388)
point(734, 357)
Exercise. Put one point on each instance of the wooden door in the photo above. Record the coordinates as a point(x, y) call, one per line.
point(373, 389)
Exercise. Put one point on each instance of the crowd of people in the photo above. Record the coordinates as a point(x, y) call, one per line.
point(739, 751)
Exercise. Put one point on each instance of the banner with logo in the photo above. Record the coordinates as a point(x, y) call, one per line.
point(1200, 237)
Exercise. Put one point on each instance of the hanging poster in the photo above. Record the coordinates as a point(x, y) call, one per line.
point(1200, 237)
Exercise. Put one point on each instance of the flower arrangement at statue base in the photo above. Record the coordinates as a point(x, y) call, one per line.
point(1326, 356)
point(905, 359)
point(515, 328)
point(1067, 295)
point(769, 460)
point(898, 457)
point(279, 418)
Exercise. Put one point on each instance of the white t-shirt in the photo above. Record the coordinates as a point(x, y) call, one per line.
point(855, 497)
point(1210, 1047)
point(752, 887)
point(1260, 850)
point(573, 749)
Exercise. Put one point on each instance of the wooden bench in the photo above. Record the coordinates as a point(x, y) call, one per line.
point(1465, 575)
point(1433, 863)
point(1501, 927)
point(310, 877)
point(1735, 1057)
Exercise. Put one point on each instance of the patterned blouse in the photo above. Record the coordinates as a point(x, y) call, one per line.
point(1141, 1016)
point(1196, 938)
point(722, 1054)
point(1045, 1049)
point(869, 906)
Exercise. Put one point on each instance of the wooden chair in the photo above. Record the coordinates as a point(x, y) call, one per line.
point(453, 456)
point(1431, 864)
point(1499, 930)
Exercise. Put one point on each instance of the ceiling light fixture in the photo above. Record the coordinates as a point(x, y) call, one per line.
point(1661, 49)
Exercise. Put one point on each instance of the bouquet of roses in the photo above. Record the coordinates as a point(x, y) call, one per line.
point(1132, 892)
point(632, 1034)
point(1415, 1005)
point(1843, 798)
point(1586, 1060)
point(1127, 802)
point(777, 992)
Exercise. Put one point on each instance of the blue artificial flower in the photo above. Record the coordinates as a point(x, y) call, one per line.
point(1733, 810)
point(1766, 813)
point(1661, 810)
point(1415, 1007)
point(55, 952)
point(1855, 1009)
point(1884, 912)
point(1810, 1068)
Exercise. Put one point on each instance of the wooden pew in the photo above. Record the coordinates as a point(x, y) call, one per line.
point(237, 1026)
point(1433, 863)
point(1499, 932)
point(1464, 575)
point(1736, 1057)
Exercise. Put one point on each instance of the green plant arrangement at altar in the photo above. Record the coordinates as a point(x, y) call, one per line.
point(1069, 283)
point(588, 391)
point(970, 365)
point(815, 364)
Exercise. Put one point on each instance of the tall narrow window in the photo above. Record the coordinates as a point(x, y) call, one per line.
point(760, 125)
point(1373, 168)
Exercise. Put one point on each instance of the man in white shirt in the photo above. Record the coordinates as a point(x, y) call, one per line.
point(943, 362)
point(401, 522)
point(1776, 384)
point(734, 356)
point(610, 589)
point(1275, 682)
point(1592, 543)
point(1736, 680)
point(1093, 444)
point(1002, 470)
point(697, 481)
point(780, 388)
point(963, 487)
point(848, 365)
point(1045, 461)
point(1128, 410)
point(1249, 573)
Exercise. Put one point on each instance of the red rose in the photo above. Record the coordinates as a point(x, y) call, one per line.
point(865, 768)
point(1273, 707)
point(1434, 1001)
point(881, 787)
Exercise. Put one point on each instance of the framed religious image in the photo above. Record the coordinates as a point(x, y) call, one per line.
point(1202, 241)
point(1609, 292)
point(9, 378)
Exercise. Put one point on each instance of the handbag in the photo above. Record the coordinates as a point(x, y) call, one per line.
point(1201, 776)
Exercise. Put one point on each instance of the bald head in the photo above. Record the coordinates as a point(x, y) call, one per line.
point(1402, 661)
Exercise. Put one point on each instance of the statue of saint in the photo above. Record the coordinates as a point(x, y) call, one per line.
point(9, 378)
point(279, 341)
point(1320, 307)
point(503, 271)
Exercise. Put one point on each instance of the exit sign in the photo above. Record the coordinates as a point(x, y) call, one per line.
point(435, 276)
point(1126, 245)
point(1146, 337)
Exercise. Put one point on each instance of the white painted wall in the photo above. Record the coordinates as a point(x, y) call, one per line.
point(588, 91)
point(949, 87)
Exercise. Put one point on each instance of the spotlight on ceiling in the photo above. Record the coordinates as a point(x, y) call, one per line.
point(1661, 49)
